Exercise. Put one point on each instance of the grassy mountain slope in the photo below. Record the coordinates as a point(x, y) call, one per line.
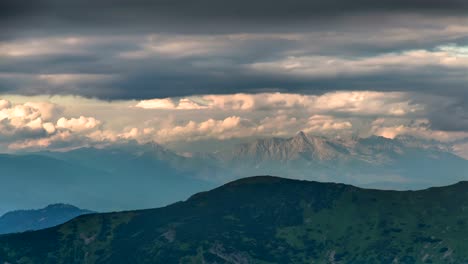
point(265, 220)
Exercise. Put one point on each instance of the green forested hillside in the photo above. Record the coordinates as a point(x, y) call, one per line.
point(265, 220)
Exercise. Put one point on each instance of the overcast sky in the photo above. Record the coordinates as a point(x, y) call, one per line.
point(85, 72)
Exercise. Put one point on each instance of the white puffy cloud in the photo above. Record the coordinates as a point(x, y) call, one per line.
point(78, 124)
point(236, 127)
point(367, 103)
point(49, 127)
point(166, 103)
point(354, 102)
point(30, 118)
point(46, 109)
point(38, 125)
point(320, 123)
point(172, 104)
point(4, 104)
point(221, 129)
point(281, 125)
point(418, 128)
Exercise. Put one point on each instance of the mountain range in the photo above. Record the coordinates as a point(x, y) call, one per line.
point(131, 176)
point(27, 220)
point(378, 162)
point(265, 220)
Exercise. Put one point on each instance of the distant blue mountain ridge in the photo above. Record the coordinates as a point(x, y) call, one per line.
point(29, 220)
point(136, 176)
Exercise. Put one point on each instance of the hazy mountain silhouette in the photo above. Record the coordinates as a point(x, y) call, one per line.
point(132, 176)
point(51, 215)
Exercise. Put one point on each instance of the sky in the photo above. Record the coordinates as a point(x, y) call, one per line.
point(79, 73)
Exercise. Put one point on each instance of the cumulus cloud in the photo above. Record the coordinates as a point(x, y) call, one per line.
point(326, 123)
point(78, 124)
point(172, 104)
point(363, 113)
point(368, 103)
point(83, 122)
point(356, 102)
point(4, 104)
point(30, 118)
point(237, 127)
point(37, 124)
point(220, 129)
point(157, 104)
point(419, 128)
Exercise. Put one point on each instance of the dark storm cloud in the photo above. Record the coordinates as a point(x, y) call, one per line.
point(202, 15)
point(212, 9)
point(167, 78)
point(453, 117)
point(218, 64)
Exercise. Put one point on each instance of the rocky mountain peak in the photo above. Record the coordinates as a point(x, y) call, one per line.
point(301, 136)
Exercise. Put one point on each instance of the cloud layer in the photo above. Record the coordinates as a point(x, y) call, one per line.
point(68, 122)
point(402, 49)
point(193, 16)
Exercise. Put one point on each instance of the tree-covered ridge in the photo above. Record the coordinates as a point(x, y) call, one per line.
point(265, 220)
